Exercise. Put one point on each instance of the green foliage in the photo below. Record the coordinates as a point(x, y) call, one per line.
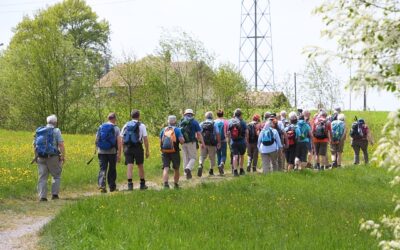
point(306, 210)
point(52, 63)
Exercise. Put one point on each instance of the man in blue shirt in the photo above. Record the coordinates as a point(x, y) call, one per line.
point(212, 140)
point(303, 137)
point(191, 132)
point(170, 137)
point(239, 139)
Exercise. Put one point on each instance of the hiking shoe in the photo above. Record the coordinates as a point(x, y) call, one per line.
point(143, 186)
point(221, 170)
point(55, 197)
point(188, 174)
point(176, 186)
point(248, 169)
point(242, 171)
point(166, 186)
point(43, 199)
point(130, 186)
point(103, 190)
point(200, 172)
point(235, 173)
point(114, 189)
point(211, 172)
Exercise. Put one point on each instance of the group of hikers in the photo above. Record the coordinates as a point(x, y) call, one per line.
point(285, 142)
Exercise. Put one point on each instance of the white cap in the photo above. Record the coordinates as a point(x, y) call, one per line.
point(188, 111)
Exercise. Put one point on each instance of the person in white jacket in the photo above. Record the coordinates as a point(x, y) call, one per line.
point(269, 143)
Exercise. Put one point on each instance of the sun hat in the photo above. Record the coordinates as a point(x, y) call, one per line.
point(188, 111)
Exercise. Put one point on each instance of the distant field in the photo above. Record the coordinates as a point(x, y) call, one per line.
point(18, 178)
point(299, 210)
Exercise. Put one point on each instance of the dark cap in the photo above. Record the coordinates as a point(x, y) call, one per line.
point(135, 114)
point(237, 113)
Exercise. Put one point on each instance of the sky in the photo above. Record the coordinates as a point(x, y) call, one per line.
point(136, 27)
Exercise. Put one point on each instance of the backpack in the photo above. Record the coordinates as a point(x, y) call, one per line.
point(220, 125)
point(186, 129)
point(106, 138)
point(337, 130)
point(44, 142)
point(302, 125)
point(319, 131)
point(358, 131)
point(235, 129)
point(291, 134)
point(131, 133)
point(253, 137)
point(168, 141)
point(267, 137)
point(207, 131)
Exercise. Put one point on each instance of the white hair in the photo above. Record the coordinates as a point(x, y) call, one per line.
point(171, 120)
point(51, 119)
point(341, 117)
point(292, 116)
point(283, 113)
point(209, 115)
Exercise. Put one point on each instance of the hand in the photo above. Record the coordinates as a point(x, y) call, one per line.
point(218, 145)
point(203, 145)
point(62, 160)
point(147, 154)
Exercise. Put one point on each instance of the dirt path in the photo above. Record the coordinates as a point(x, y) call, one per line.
point(19, 230)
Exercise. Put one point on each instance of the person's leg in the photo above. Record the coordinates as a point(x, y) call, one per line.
point(242, 152)
point(211, 153)
point(323, 154)
point(139, 156)
point(249, 156)
point(364, 148)
point(185, 155)
point(101, 179)
point(274, 160)
point(43, 174)
point(166, 164)
point(219, 155)
point(356, 148)
point(255, 158)
point(55, 169)
point(112, 172)
point(192, 150)
point(203, 156)
point(165, 176)
point(266, 163)
point(224, 148)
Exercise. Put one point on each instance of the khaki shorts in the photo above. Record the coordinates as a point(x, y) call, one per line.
point(337, 147)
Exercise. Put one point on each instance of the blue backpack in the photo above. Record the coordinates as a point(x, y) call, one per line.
point(337, 130)
point(267, 137)
point(302, 127)
point(106, 138)
point(44, 142)
point(220, 125)
point(131, 133)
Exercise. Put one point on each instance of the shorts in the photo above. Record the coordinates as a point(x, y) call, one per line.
point(134, 154)
point(302, 151)
point(167, 158)
point(321, 148)
point(337, 147)
point(238, 148)
point(290, 154)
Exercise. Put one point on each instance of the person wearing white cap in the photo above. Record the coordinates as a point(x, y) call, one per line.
point(191, 132)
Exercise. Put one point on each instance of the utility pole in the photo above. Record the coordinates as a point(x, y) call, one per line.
point(365, 98)
point(351, 88)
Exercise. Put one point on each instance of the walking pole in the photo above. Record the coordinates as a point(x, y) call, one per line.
point(94, 154)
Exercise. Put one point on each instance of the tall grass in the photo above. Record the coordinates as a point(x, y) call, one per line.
point(305, 210)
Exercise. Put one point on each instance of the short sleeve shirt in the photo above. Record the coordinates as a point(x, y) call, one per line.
point(113, 150)
point(142, 130)
point(195, 127)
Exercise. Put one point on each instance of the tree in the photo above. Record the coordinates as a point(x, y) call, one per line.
point(322, 89)
point(367, 32)
point(48, 71)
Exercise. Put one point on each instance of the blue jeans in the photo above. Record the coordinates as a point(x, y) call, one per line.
point(221, 153)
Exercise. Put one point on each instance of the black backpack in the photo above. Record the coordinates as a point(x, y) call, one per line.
point(253, 137)
point(186, 129)
point(356, 131)
point(320, 130)
point(207, 131)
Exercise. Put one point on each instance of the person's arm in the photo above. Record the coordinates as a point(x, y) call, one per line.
point(200, 139)
point(278, 140)
point(61, 147)
point(146, 145)
point(119, 150)
point(181, 140)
